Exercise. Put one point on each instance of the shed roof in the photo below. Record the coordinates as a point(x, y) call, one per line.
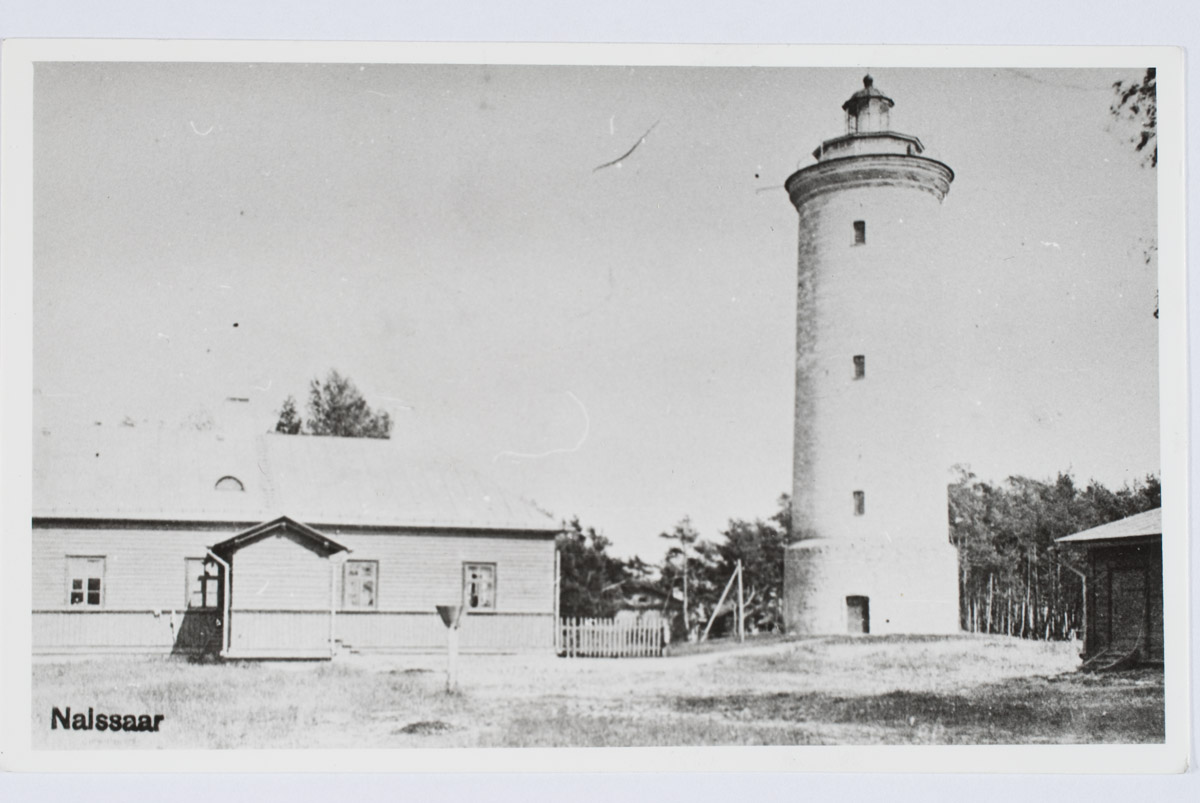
point(1136, 526)
point(155, 474)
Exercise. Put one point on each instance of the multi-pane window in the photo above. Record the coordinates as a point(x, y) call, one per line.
point(479, 585)
point(860, 503)
point(860, 366)
point(360, 582)
point(860, 232)
point(85, 581)
point(202, 583)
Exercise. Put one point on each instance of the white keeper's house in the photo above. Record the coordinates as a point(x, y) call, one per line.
point(276, 546)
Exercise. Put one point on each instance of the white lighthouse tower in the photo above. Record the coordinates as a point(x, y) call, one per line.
point(871, 552)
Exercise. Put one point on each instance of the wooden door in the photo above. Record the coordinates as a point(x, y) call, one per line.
point(858, 615)
point(1128, 619)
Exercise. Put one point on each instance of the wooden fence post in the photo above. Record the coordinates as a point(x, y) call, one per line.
point(589, 637)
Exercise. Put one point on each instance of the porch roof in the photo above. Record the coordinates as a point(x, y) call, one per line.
point(317, 539)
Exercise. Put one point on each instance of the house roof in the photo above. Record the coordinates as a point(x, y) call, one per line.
point(147, 473)
point(1137, 526)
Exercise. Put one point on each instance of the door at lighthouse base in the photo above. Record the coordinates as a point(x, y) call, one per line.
point(858, 615)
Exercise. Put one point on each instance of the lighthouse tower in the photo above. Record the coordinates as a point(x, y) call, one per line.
point(871, 552)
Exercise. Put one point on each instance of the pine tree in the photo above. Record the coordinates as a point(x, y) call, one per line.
point(335, 407)
point(289, 420)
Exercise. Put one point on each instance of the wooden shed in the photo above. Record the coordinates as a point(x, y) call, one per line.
point(277, 546)
point(1124, 589)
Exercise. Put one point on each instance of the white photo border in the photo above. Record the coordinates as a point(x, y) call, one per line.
point(19, 57)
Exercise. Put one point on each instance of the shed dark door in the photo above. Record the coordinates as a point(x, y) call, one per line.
point(858, 615)
point(1128, 607)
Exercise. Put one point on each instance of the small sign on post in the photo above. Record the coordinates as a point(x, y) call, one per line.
point(451, 616)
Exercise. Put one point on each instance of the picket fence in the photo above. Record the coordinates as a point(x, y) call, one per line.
point(607, 638)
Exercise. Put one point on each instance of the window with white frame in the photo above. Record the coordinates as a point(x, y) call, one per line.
point(201, 583)
point(479, 584)
point(85, 581)
point(360, 582)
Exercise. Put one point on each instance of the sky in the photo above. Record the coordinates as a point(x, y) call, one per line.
point(616, 344)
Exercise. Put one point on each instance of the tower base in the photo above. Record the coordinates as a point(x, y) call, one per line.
point(844, 586)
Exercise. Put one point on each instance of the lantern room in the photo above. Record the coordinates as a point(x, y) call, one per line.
point(868, 110)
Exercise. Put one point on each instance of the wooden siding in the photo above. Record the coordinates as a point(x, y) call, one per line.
point(117, 631)
point(417, 573)
point(284, 633)
point(143, 568)
point(1125, 599)
point(280, 573)
point(267, 633)
point(1156, 646)
point(498, 632)
point(145, 573)
point(1099, 597)
point(425, 631)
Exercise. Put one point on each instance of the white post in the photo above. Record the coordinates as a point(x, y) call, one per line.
point(686, 624)
point(226, 638)
point(332, 604)
point(452, 657)
point(452, 616)
point(741, 628)
point(557, 597)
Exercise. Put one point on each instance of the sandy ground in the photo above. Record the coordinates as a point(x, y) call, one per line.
point(964, 689)
point(649, 689)
point(831, 665)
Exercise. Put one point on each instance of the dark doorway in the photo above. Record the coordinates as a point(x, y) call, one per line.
point(1128, 619)
point(858, 615)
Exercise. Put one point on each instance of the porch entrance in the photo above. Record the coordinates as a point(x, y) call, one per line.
point(280, 581)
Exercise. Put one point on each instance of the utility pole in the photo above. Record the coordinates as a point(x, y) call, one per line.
point(741, 628)
point(686, 626)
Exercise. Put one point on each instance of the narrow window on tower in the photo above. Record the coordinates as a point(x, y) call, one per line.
point(860, 366)
point(860, 503)
point(860, 232)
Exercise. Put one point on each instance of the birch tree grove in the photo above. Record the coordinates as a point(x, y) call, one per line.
point(1013, 578)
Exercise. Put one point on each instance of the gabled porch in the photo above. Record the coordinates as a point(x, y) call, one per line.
point(278, 585)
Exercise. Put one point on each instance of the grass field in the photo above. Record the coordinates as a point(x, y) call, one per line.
point(872, 690)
